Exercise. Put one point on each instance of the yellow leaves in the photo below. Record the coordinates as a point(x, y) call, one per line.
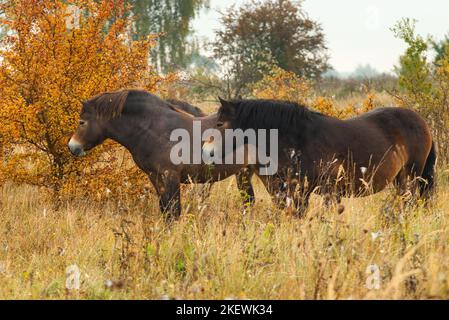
point(368, 103)
point(328, 107)
point(47, 67)
point(324, 105)
point(285, 85)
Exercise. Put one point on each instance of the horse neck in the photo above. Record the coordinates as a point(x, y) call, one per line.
point(127, 131)
point(208, 122)
point(130, 130)
point(151, 125)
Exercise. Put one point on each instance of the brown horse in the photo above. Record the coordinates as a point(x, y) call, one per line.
point(143, 123)
point(319, 153)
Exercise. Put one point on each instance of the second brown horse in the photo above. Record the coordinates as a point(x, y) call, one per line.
point(319, 153)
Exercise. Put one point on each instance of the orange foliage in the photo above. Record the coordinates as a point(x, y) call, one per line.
point(55, 54)
point(284, 85)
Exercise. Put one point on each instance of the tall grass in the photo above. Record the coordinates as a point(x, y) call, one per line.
point(220, 250)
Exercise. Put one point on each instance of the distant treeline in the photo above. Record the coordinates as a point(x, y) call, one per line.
point(338, 88)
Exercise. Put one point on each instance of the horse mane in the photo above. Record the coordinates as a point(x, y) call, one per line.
point(187, 108)
point(179, 110)
point(109, 105)
point(271, 114)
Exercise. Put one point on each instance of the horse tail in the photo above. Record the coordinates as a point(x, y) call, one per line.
point(427, 183)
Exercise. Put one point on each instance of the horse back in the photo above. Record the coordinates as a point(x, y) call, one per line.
point(398, 126)
point(379, 144)
point(398, 130)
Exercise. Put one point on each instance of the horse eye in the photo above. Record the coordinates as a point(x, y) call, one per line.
point(82, 122)
point(219, 124)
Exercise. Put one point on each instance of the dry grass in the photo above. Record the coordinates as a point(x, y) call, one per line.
point(218, 251)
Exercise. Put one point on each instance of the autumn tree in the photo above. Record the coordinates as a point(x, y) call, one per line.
point(263, 33)
point(424, 83)
point(54, 55)
point(171, 19)
point(441, 48)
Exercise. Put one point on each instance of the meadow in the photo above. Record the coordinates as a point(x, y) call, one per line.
point(91, 228)
point(374, 249)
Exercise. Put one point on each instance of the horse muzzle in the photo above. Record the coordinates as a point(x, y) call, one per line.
point(76, 148)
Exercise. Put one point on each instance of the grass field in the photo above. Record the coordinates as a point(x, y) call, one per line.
point(125, 251)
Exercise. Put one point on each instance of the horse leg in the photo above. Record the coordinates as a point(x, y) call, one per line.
point(278, 191)
point(245, 187)
point(421, 175)
point(285, 197)
point(168, 188)
point(170, 200)
point(401, 183)
point(427, 183)
point(299, 203)
point(296, 197)
point(407, 184)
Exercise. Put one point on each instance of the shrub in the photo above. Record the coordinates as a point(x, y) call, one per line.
point(285, 85)
point(424, 84)
point(54, 55)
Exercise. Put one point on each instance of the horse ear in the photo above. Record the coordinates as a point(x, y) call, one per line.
point(223, 101)
point(83, 105)
point(227, 106)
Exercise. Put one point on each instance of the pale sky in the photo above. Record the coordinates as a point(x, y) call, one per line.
point(357, 31)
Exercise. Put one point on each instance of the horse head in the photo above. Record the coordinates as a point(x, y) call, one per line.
point(89, 133)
